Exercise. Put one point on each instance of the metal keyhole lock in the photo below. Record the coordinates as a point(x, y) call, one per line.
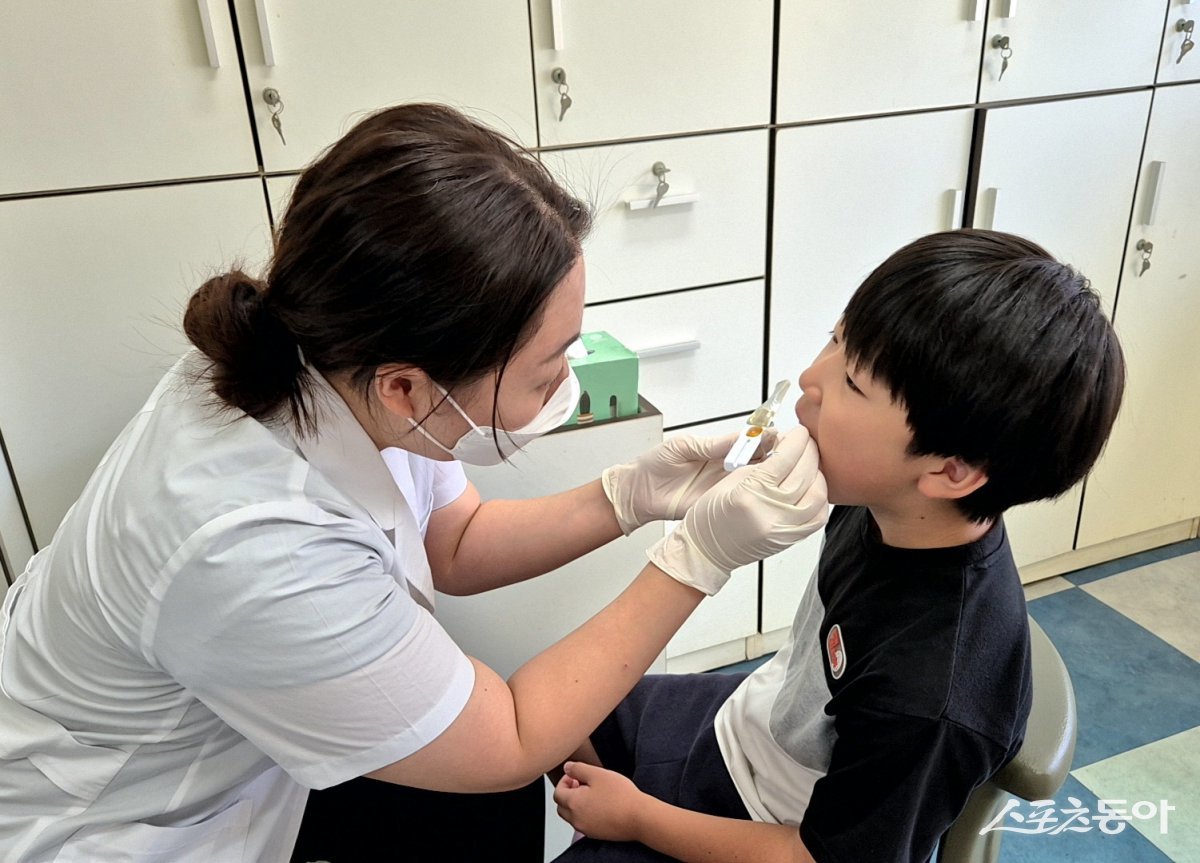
point(1147, 249)
point(660, 170)
point(1002, 43)
point(559, 76)
point(1186, 27)
point(275, 104)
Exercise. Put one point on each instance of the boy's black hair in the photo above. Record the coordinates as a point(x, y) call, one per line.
point(1001, 355)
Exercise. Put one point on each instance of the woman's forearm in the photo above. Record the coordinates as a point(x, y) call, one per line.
point(562, 694)
point(506, 541)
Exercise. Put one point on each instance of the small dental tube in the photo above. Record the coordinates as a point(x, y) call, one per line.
point(747, 442)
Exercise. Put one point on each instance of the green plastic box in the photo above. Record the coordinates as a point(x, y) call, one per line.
point(608, 381)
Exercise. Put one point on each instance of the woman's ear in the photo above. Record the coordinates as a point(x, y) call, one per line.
point(950, 479)
point(399, 389)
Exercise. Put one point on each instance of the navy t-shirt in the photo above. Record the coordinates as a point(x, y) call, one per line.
point(927, 667)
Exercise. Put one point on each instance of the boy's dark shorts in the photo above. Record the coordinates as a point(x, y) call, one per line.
point(662, 737)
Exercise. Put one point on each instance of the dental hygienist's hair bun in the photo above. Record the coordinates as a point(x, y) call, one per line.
point(256, 364)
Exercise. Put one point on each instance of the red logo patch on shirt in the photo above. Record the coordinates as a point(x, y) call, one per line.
point(835, 649)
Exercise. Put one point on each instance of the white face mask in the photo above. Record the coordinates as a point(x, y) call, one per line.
point(479, 444)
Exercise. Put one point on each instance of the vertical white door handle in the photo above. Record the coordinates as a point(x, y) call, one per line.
point(556, 24)
point(210, 41)
point(1010, 9)
point(956, 196)
point(1154, 178)
point(975, 9)
point(264, 32)
point(994, 194)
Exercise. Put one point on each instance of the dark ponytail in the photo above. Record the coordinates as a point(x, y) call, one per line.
point(421, 238)
point(256, 364)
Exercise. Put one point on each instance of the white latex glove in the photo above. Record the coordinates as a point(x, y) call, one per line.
point(663, 483)
point(755, 512)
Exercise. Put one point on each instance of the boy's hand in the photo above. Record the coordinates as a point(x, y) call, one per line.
point(599, 803)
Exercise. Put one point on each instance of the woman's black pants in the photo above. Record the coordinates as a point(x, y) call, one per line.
point(376, 822)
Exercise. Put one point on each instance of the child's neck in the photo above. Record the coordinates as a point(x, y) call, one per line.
point(931, 527)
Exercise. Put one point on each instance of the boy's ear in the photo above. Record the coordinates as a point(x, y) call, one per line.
point(950, 479)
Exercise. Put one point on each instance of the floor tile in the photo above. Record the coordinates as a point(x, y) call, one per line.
point(1122, 564)
point(1093, 846)
point(743, 667)
point(1166, 770)
point(1045, 587)
point(1164, 597)
point(1131, 688)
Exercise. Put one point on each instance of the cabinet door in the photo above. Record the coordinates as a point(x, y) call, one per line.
point(92, 292)
point(331, 66)
point(1182, 25)
point(863, 59)
point(700, 352)
point(634, 69)
point(847, 195)
point(1034, 180)
point(119, 92)
point(1149, 475)
point(1069, 46)
point(709, 226)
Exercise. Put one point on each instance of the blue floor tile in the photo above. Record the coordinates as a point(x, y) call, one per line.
point(1131, 687)
point(1133, 561)
point(1094, 846)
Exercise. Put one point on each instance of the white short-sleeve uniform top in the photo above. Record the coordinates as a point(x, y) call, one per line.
point(232, 613)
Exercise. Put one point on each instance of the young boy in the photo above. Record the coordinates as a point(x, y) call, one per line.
point(970, 372)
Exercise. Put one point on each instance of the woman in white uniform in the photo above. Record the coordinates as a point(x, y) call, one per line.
point(237, 609)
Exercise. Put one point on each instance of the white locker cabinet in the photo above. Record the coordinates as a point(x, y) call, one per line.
point(92, 292)
point(709, 226)
point(1150, 473)
point(119, 92)
point(700, 352)
point(1176, 63)
point(867, 59)
point(1034, 182)
point(847, 195)
point(508, 626)
point(633, 69)
point(716, 633)
point(330, 67)
point(1068, 46)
